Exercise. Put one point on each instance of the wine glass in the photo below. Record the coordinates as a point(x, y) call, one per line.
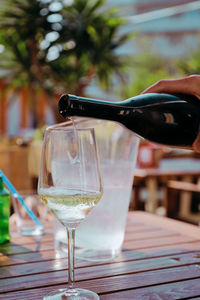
point(70, 185)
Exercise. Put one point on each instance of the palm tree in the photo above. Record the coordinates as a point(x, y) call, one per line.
point(59, 46)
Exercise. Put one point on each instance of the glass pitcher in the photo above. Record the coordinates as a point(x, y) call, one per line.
point(100, 236)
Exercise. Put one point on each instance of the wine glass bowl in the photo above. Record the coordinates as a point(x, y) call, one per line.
point(70, 186)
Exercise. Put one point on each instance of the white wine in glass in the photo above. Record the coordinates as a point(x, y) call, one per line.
point(70, 186)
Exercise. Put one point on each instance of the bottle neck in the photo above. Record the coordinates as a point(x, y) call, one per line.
point(1, 184)
point(71, 105)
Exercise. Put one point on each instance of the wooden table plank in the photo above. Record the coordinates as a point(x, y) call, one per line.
point(108, 284)
point(163, 263)
point(14, 248)
point(126, 255)
point(142, 244)
point(166, 223)
point(178, 290)
point(122, 267)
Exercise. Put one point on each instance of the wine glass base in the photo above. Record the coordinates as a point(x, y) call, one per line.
point(71, 294)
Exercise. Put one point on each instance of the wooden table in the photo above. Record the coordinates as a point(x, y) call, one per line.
point(160, 260)
point(169, 169)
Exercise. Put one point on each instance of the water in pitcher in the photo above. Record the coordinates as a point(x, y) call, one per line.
point(109, 216)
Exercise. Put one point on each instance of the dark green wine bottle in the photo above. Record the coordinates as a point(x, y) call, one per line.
point(166, 119)
point(4, 213)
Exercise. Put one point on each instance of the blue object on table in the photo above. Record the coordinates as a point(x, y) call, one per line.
point(21, 200)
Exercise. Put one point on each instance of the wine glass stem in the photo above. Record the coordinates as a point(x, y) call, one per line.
point(71, 249)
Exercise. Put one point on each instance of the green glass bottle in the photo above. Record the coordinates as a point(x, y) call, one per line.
point(4, 213)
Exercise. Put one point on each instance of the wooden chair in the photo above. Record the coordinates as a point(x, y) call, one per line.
point(180, 207)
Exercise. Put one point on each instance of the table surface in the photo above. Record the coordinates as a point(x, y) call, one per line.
point(160, 260)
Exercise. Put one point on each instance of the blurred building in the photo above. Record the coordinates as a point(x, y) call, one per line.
point(171, 26)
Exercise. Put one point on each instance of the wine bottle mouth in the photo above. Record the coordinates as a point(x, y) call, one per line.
point(63, 105)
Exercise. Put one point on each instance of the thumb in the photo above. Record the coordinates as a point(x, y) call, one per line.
point(196, 144)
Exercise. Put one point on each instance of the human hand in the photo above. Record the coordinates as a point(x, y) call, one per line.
point(186, 85)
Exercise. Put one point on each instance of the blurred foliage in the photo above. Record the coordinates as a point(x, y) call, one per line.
point(190, 65)
point(59, 47)
point(145, 69)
